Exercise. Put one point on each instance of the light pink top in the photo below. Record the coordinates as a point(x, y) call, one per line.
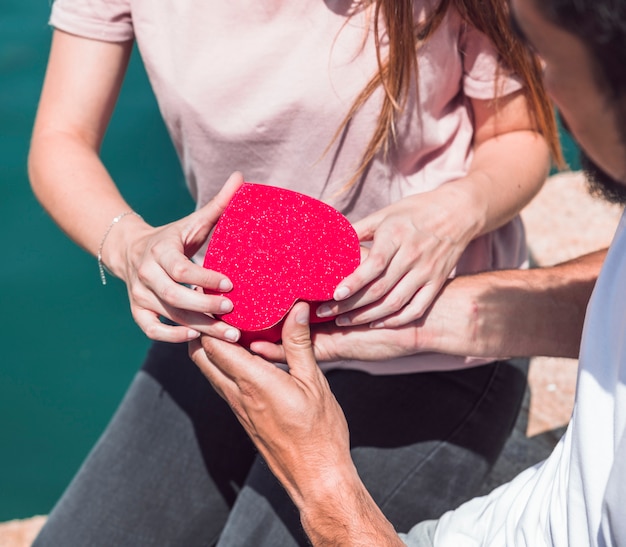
point(261, 87)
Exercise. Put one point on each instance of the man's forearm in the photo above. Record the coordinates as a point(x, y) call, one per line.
point(345, 515)
point(498, 314)
point(513, 313)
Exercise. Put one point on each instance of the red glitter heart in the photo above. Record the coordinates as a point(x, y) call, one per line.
point(278, 246)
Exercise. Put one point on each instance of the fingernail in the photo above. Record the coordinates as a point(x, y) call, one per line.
point(192, 334)
point(342, 321)
point(225, 285)
point(341, 293)
point(324, 311)
point(232, 335)
point(302, 317)
point(377, 325)
point(226, 305)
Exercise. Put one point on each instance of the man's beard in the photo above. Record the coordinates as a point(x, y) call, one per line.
point(600, 184)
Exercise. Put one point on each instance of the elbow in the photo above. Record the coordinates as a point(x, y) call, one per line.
point(36, 166)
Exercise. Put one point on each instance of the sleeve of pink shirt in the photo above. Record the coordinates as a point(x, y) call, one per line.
point(482, 75)
point(106, 20)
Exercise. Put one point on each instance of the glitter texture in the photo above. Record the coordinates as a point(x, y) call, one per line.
point(278, 246)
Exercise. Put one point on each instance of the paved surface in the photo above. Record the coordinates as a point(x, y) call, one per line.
point(562, 222)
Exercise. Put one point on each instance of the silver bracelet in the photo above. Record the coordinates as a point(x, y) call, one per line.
point(101, 265)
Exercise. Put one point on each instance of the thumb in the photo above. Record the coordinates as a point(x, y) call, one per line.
point(212, 211)
point(366, 227)
point(199, 224)
point(297, 344)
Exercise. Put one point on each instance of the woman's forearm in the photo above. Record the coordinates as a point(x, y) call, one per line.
point(82, 83)
point(509, 166)
point(507, 171)
point(80, 90)
point(74, 187)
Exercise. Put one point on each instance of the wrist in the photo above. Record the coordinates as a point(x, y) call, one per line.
point(465, 209)
point(115, 240)
point(338, 510)
point(455, 323)
point(473, 315)
point(319, 491)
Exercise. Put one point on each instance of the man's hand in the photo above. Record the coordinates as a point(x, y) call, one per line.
point(333, 343)
point(448, 326)
point(292, 417)
point(298, 427)
point(499, 314)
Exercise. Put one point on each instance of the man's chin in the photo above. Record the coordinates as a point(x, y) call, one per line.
point(600, 184)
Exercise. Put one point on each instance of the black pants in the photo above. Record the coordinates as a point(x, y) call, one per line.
point(175, 468)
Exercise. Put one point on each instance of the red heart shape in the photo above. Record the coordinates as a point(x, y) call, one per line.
point(278, 246)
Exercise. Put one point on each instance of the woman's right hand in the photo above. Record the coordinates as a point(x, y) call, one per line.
point(81, 87)
point(160, 277)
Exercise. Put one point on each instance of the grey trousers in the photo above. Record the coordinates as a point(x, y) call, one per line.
point(175, 468)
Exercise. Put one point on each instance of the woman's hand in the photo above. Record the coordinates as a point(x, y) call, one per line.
point(81, 87)
point(155, 265)
point(415, 244)
point(417, 241)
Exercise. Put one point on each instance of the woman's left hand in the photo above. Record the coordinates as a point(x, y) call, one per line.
point(417, 241)
point(415, 244)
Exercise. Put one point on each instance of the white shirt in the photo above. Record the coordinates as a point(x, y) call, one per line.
point(577, 497)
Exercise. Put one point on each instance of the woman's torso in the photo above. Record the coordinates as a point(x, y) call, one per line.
point(261, 87)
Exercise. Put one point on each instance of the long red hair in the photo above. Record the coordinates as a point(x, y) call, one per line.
point(396, 72)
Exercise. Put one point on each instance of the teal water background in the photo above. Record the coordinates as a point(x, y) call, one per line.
point(68, 345)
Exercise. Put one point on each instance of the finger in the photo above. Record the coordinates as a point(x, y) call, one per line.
point(322, 331)
point(365, 251)
point(377, 261)
point(388, 293)
point(296, 337)
point(366, 227)
point(236, 362)
point(197, 226)
point(203, 324)
point(413, 310)
point(146, 308)
point(220, 382)
point(212, 211)
point(154, 329)
point(268, 350)
point(179, 296)
point(182, 270)
point(377, 308)
point(361, 343)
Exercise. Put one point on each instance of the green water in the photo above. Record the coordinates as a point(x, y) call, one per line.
point(69, 346)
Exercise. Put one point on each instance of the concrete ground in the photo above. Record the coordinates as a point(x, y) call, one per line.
point(562, 222)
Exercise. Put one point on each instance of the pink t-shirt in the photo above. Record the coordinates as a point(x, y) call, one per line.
point(261, 87)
